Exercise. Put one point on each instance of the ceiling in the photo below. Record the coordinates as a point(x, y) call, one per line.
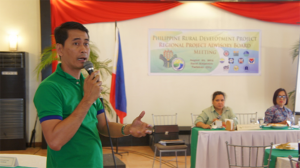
point(202, 0)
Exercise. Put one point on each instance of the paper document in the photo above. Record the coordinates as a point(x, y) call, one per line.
point(171, 142)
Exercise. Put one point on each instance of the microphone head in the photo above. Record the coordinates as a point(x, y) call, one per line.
point(88, 66)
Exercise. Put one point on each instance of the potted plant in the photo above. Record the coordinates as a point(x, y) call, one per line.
point(295, 54)
point(49, 55)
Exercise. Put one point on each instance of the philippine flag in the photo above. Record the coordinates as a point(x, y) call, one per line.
point(117, 90)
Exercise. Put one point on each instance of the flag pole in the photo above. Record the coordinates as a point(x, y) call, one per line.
point(117, 139)
point(116, 113)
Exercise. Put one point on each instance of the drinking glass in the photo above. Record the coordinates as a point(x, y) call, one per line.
point(290, 121)
point(252, 120)
point(261, 120)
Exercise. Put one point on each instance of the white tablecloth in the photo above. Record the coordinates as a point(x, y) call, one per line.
point(28, 160)
point(283, 162)
point(211, 147)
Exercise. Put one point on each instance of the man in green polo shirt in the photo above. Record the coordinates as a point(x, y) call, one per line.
point(69, 108)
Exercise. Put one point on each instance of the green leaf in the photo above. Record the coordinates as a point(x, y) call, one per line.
point(291, 96)
point(295, 50)
point(49, 55)
point(294, 54)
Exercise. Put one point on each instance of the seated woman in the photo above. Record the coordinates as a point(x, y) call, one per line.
point(278, 113)
point(217, 110)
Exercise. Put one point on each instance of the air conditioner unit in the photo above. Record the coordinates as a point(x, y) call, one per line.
point(13, 87)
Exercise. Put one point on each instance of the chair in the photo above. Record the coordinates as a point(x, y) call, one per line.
point(167, 121)
point(194, 116)
point(164, 119)
point(244, 118)
point(293, 160)
point(253, 152)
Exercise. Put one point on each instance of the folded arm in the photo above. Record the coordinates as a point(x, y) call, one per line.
point(201, 120)
point(269, 114)
point(202, 125)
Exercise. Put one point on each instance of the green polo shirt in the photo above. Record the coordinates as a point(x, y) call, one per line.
point(56, 98)
point(210, 113)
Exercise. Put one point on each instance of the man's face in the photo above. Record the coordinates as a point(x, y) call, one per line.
point(75, 51)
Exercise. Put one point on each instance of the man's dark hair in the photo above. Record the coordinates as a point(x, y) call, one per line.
point(216, 94)
point(276, 94)
point(61, 32)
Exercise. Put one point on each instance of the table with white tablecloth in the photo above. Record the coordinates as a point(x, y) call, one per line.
point(208, 148)
point(25, 160)
point(284, 162)
point(279, 157)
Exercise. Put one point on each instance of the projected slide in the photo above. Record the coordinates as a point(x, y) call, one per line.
point(204, 52)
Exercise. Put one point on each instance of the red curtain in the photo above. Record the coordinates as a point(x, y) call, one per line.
point(91, 11)
point(280, 12)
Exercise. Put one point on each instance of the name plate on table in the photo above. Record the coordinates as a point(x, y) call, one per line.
point(9, 161)
point(241, 127)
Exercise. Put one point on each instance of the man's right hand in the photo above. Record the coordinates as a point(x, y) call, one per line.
point(92, 87)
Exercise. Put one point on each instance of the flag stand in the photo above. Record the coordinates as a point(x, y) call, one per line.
point(117, 143)
point(119, 60)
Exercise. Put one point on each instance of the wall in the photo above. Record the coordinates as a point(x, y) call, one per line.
point(191, 94)
point(167, 94)
point(23, 17)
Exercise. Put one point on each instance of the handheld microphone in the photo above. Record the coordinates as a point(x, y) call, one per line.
point(88, 66)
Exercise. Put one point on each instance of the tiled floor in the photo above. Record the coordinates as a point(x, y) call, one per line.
point(137, 156)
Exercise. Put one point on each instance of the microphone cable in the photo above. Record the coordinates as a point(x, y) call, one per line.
point(111, 145)
point(89, 67)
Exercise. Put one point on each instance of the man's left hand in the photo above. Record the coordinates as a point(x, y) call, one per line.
point(139, 128)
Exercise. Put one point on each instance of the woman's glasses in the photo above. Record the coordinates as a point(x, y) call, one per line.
point(279, 97)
